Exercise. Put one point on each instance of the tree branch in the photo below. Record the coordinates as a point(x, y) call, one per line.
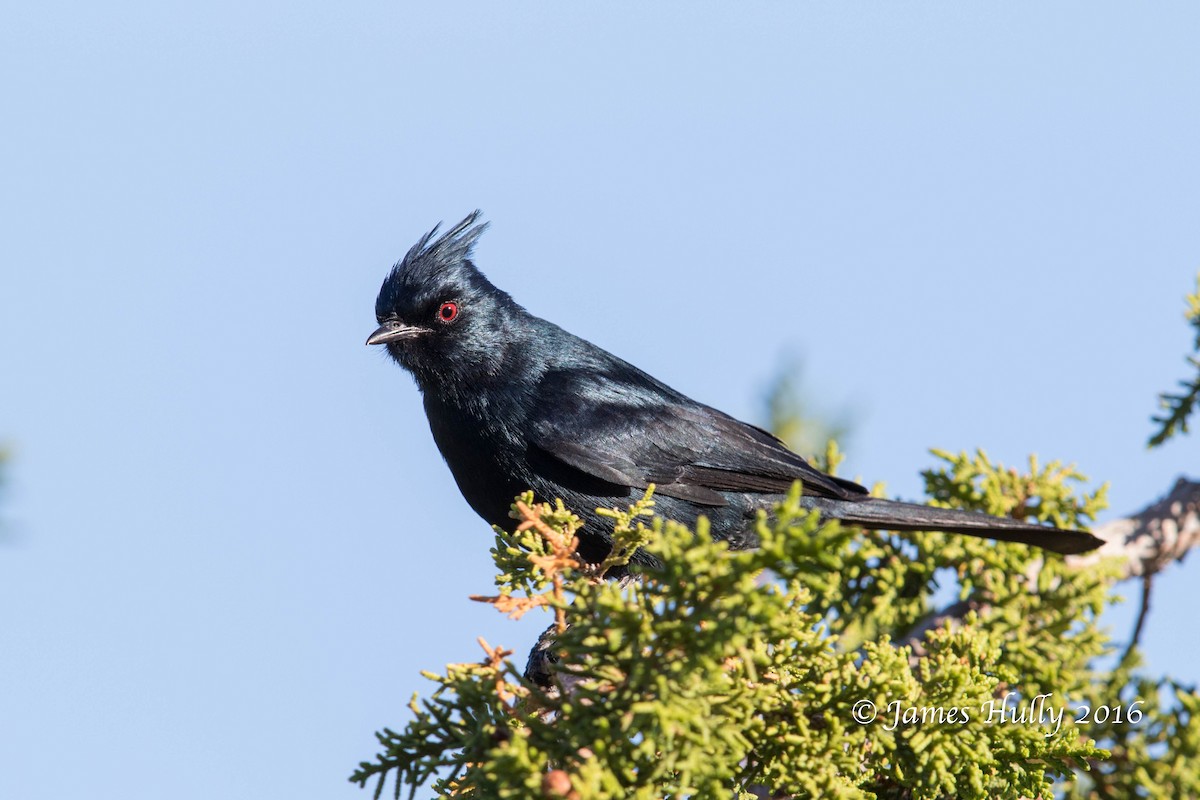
point(1156, 536)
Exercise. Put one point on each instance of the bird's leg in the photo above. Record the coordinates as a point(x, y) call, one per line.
point(539, 667)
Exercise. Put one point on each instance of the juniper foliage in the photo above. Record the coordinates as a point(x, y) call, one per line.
point(1177, 407)
point(725, 672)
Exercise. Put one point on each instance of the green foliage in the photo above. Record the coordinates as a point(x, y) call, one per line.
point(1178, 407)
point(1154, 751)
point(724, 671)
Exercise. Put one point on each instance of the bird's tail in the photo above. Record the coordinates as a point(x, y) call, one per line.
point(879, 514)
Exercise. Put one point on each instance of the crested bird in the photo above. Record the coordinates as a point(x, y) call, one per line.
point(515, 402)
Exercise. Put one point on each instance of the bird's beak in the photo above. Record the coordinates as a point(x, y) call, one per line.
point(393, 331)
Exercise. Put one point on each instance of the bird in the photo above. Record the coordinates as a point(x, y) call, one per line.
point(517, 403)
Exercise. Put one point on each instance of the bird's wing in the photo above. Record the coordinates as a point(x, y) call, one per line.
point(628, 429)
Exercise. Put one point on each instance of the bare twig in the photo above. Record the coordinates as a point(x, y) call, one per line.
point(1147, 580)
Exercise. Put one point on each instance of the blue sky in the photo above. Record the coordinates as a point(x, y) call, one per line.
point(230, 543)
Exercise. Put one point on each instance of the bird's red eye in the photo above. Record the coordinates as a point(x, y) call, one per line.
point(448, 312)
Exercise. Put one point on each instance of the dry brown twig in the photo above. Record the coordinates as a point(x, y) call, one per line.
point(561, 557)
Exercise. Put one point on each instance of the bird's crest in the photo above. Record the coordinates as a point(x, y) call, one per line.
point(452, 248)
point(432, 261)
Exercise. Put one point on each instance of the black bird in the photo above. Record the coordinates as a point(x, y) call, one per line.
point(517, 403)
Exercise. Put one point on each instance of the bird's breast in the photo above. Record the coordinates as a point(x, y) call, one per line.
point(481, 456)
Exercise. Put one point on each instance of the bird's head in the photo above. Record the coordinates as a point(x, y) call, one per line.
point(440, 318)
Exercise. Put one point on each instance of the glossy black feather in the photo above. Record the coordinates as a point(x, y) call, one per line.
point(515, 402)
